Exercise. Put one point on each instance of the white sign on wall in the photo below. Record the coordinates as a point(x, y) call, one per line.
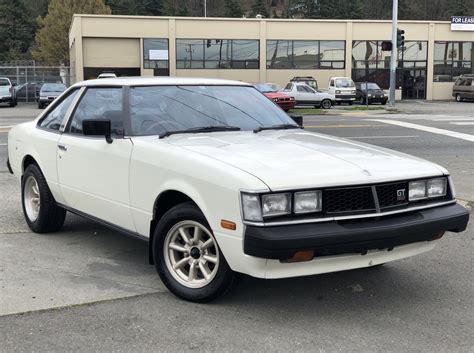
point(462, 23)
point(154, 54)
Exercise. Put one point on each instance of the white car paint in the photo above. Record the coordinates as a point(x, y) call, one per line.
point(306, 95)
point(343, 93)
point(121, 182)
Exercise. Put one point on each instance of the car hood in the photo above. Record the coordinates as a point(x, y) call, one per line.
point(50, 94)
point(301, 159)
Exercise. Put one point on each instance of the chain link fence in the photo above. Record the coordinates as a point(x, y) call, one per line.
point(28, 78)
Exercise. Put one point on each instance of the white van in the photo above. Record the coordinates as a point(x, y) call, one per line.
point(343, 88)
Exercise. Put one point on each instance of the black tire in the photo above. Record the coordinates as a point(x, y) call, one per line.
point(224, 276)
point(12, 104)
point(384, 102)
point(350, 102)
point(326, 104)
point(40, 106)
point(50, 216)
point(459, 98)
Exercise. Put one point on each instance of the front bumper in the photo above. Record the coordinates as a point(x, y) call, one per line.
point(6, 99)
point(354, 236)
point(378, 99)
point(345, 97)
point(286, 104)
point(46, 100)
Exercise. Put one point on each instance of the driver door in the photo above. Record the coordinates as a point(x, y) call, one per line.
point(93, 175)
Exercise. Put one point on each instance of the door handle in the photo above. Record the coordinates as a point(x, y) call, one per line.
point(62, 147)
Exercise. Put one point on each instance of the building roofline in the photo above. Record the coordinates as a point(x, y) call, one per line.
point(255, 19)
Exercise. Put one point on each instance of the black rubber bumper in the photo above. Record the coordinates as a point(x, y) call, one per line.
point(355, 236)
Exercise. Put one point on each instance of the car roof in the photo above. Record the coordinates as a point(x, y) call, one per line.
point(157, 81)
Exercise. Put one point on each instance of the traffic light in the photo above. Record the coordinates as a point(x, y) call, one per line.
point(400, 37)
point(386, 46)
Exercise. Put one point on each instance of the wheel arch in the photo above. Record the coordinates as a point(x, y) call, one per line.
point(163, 203)
point(28, 160)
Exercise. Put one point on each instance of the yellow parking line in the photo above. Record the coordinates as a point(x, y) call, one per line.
point(338, 126)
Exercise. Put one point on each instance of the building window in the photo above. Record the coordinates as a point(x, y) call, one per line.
point(452, 59)
point(217, 54)
point(305, 54)
point(155, 53)
point(371, 64)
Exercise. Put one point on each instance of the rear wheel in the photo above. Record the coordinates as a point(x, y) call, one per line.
point(187, 257)
point(42, 214)
point(459, 98)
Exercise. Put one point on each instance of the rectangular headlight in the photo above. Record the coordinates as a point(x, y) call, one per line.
point(276, 204)
point(308, 201)
point(436, 187)
point(251, 207)
point(417, 190)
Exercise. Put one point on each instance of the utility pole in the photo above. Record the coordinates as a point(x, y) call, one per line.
point(393, 58)
point(205, 8)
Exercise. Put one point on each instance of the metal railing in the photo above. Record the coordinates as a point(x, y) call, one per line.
point(28, 79)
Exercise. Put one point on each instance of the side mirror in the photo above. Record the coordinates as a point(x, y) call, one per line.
point(97, 127)
point(297, 119)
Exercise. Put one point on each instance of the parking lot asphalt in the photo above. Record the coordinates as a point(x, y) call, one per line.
point(87, 288)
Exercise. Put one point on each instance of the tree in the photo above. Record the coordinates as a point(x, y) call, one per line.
point(52, 39)
point(233, 9)
point(16, 28)
point(259, 8)
point(137, 7)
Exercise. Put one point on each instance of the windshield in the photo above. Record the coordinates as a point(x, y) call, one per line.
point(344, 83)
point(4, 82)
point(371, 86)
point(155, 110)
point(265, 88)
point(55, 87)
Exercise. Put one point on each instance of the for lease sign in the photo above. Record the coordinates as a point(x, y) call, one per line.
point(462, 23)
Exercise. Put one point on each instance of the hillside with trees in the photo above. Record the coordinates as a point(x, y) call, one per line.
point(37, 29)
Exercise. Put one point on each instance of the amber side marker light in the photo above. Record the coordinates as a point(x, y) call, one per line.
point(228, 224)
point(301, 256)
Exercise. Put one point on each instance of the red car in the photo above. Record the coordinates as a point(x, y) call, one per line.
point(282, 99)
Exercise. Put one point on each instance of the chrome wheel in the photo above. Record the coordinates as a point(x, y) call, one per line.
point(31, 198)
point(191, 254)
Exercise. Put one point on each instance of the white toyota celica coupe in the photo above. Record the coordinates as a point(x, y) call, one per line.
point(219, 181)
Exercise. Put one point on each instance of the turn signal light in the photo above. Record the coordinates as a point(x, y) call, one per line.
point(228, 225)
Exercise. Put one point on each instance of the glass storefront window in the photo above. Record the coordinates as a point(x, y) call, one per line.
point(305, 54)
point(155, 53)
point(452, 59)
point(217, 54)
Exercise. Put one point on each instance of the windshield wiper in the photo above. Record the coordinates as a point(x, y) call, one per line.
point(200, 129)
point(277, 127)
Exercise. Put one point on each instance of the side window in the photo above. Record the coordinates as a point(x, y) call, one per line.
point(99, 103)
point(332, 83)
point(301, 89)
point(54, 119)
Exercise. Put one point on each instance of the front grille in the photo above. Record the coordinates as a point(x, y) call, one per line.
point(392, 195)
point(348, 200)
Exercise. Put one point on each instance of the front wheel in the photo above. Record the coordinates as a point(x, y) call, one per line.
point(187, 257)
point(350, 102)
point(41, 212)
point(326, 104)
point(459, 98)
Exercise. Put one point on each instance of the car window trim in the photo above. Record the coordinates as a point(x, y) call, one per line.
point(49, 110)
point(83, 93)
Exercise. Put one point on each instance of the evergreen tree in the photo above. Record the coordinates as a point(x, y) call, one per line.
point(16, 28)
point(52, 38)
point(259, 8)
point(233, 8)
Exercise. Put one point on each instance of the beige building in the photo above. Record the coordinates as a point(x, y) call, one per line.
point(271, 50)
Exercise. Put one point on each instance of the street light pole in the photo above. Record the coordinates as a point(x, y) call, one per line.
point(393, 58)
point(205, 8)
